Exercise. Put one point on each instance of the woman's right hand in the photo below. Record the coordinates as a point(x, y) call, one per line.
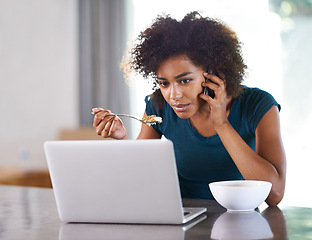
point(107, 125)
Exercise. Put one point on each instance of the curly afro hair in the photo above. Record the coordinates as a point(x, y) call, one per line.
point(205, 41)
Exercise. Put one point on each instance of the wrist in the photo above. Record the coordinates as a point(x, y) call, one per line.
point(222, 126)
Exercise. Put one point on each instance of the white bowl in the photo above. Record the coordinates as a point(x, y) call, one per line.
point(241, 195)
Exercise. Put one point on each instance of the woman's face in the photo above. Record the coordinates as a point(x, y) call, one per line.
point(180, 84)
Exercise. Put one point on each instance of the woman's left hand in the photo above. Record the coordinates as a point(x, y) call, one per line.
point(218, 104)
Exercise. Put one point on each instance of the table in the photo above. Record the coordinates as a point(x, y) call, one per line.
point(31, 213)
point(30, 178)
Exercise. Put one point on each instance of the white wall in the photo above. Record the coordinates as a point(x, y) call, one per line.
point(38, 75)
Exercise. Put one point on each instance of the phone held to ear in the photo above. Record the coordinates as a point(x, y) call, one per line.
point(208, 91)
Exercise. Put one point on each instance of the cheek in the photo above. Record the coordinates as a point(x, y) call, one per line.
point(197, 86)
point(197, 90)
point(165, 93)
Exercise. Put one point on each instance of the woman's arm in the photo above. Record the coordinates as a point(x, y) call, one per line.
point(268, 163)
point(269, 145)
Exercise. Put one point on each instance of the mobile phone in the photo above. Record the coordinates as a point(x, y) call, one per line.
point(207, 90)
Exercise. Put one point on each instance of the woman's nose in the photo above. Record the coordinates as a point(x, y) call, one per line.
point(175, 93)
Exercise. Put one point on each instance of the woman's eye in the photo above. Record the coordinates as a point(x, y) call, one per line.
point(163, 84)
point(184, 81)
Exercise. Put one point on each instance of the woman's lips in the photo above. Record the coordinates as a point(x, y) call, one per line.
point(180, 107)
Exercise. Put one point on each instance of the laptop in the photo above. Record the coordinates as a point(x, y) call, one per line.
point(117, 181)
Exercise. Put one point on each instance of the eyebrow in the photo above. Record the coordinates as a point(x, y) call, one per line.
point(176, 77)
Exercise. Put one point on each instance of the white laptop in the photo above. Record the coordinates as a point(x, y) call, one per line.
point(117, 181)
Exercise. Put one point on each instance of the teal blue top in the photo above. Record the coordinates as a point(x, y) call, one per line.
point(201, 160)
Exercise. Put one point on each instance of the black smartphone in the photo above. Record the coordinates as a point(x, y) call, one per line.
point(207, 90)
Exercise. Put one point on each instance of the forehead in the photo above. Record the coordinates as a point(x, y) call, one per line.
point(176, 65)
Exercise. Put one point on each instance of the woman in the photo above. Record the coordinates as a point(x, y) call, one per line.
point(230, 134)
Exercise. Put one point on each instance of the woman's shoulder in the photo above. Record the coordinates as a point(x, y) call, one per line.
point(254, 92)
point(254, 103)
point(156, 101)
point(254, 96)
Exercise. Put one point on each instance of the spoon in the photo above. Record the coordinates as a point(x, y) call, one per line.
point(149, 120)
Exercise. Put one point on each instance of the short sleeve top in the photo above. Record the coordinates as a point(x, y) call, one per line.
point(202, 160)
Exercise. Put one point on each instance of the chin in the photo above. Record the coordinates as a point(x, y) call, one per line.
point(183, 115)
